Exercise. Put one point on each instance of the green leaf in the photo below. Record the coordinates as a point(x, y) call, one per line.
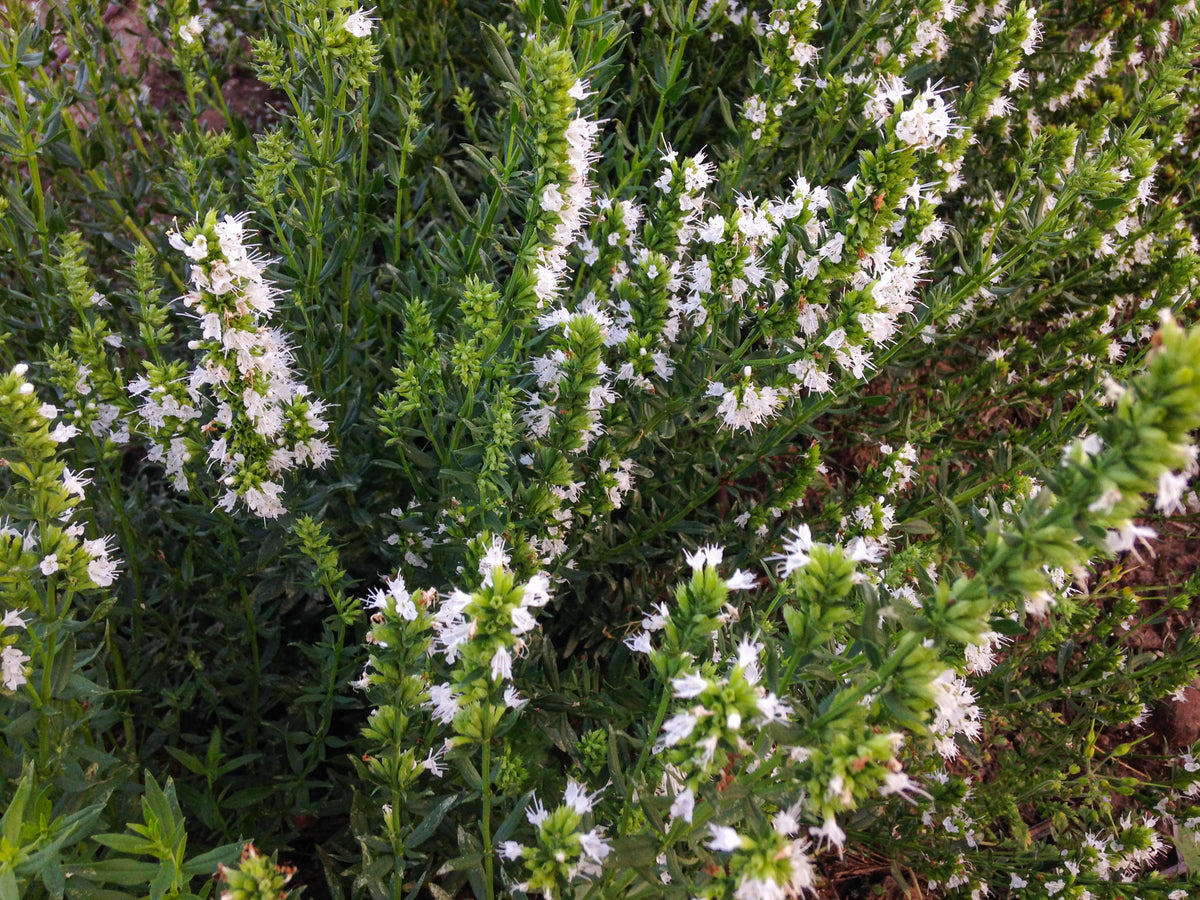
point(1007, 627)
point(432, 820)
point(10, 825)
point(9, 888)
point(164, 880)
point(513, 819)
point(125, 871)
point(155, 806)
point(1109, 204)
point(726, 110)
point(126, 843)
point(1188, 846)
point(639, 851)
point(555, 12)
point(191, 763)
point(205, 863)
point(902, 714)
point(497, 51)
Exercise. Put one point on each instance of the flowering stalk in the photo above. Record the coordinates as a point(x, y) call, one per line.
point(324, 67)
point(265, 421)
point(50, 564)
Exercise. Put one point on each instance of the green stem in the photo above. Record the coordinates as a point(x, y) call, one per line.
point(489, 855)
point(118, 665)
point(674, 66)
point(634, 776)
point(851, 696)
point(29, 155)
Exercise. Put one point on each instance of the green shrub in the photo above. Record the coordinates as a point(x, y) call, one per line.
point(595, 449)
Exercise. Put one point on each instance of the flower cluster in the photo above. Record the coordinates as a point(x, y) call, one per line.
point(786, 54)
point(265, 422)
point(12, 657)
point(564, 853)
point(773, 863)
point(479, 635)
point(255, 877)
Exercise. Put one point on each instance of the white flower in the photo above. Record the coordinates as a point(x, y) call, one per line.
point(899, 783)
point(1106, 501)
point(795, 552)
point(264, 500)
point(536, 814)
point(656, 619)
point(829, 832)
point(676, 728)
point(594, 845)
point(12, 619)
point(709, 555)
point(49, 565)
point(63, 432)
point(1170, 492)
point(494, 556)
point(724, 839)
point(577, 797)
point(511, 850)
point(74, 483)
point(433, 762)
point(957, 712)
point(741, 580)
point(190, 30)
point(1127, 536)
point(103, 571)
point(443, 702)
point(359, 23)
point(746, 407)
point(638, 642)
point(835, 339)
point(748, 652)
point(13, 663)
point(689, 686)
point(926, 122)
point(405, 607)
point(785, 822)
point(522, 620)
point(761, 889)
point(772, 709)
point(713, 230)
point(982, 656)
point(537, 591)
point(501, 665)
point(684, 806)
point(1034, 35)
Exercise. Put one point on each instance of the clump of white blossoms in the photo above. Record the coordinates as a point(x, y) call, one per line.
point(190, 30)
point(923, 122)
point(480, 635)
point(745, 405)
point(12, 657)
point(926, 121)
point(265, 422)
point(565, 851)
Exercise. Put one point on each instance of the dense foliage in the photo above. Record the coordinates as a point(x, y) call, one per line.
point(596, 450)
